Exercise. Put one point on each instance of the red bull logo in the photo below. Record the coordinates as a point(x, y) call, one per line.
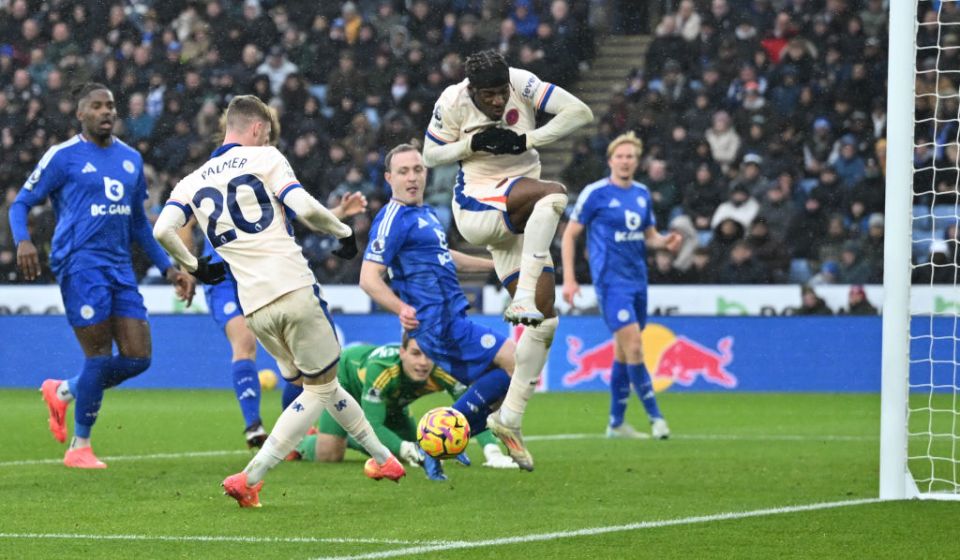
point(670, 359)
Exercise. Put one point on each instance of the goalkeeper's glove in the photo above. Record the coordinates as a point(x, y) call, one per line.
point(432, 466)
point(348, 247)
point(499, 141)
point(210, 273)
point(410, 453)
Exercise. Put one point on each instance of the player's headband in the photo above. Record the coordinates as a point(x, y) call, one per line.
point(495, 76)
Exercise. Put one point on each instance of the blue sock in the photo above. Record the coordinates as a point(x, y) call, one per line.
point(290, 394)
point(643, 385)
point(246, 385)
point(619, 393)
point(475, 403)
point(89, 393)
point(120, 368)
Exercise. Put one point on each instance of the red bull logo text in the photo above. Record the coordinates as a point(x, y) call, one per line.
point(669, 358)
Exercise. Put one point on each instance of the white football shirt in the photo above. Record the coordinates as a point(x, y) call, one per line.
point(237, 198)
point(456, 116)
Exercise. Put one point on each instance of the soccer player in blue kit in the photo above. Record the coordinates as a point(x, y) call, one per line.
point(408, 242)
point(97, 187)
point(618, 212)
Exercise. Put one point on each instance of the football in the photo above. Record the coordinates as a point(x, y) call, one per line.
point(443, 433)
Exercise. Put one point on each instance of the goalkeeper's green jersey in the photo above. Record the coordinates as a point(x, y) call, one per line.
point(375, 377)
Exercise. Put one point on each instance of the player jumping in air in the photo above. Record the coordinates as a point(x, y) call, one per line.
point(618, 214)
point(97, 186)
point(240, 198)
point(386, 380)
point(407, 242)
point(487, 123)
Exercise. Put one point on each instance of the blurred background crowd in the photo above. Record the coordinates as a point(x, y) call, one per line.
point(763, 121)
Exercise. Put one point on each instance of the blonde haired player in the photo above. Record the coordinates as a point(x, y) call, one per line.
point(487, 123)
point(618, 212)
point(240, 198)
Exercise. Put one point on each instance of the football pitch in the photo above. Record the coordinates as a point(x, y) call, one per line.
point(745, 476)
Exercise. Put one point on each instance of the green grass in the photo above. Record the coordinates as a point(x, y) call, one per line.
point(731, 453)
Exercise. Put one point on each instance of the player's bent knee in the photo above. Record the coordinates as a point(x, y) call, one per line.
point(555, 201)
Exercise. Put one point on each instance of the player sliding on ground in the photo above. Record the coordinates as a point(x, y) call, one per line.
point(247, 180)
point(408, 240)
point(617, 213)
point(97, 186)
point(487, 123)
point(386, 380)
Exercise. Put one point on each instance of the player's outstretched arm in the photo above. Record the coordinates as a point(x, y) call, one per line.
point(568, 254)
point(314, 215)
point(570, 114)
point(467, 263)
point(371, 281)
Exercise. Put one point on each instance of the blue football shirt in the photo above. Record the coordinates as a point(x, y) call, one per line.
point(616, 219)
point(97, 194)
point(411, 243)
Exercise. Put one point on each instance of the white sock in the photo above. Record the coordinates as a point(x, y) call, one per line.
point(63, 391)
point(290, 429)
point(77, 443)
point(537, 236)
point(532, 350)
point(348, 413)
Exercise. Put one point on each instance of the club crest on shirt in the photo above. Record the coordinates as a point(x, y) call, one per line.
point(642, 203)
point(128, 166)
point(512, 117)
point(112, 188)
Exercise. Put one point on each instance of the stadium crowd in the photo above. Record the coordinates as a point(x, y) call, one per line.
point(763, 120)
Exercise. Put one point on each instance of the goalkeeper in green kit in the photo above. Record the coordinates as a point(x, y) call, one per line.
point(386, 379)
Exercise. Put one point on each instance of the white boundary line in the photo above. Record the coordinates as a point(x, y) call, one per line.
point(217, 538)
point(546, 437)
point(422, 549)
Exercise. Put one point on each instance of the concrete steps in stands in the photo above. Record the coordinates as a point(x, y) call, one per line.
point(617, 55)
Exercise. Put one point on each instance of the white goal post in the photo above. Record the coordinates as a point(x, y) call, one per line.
point(920, 417)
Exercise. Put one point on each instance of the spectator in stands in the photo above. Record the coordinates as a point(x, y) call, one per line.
point(769, 251)
point(857, 302)
point(853, 268)
point(584, 167)
point(742, 268)
point(811, 303)
point(806, 230)
point(724, 140)
point(702, 270)
point(684, 257)
point(741, 207)
point(664, 271)
point(725, 235)
point(665, 194)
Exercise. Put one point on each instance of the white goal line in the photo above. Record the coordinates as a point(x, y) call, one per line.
point(545, 437)
point(536, 537)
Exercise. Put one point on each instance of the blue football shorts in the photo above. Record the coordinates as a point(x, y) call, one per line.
point(93, 295)
point(222, 301)
point(623, 307)
point(460, 347)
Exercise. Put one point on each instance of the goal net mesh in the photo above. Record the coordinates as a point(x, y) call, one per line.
point(934, 407)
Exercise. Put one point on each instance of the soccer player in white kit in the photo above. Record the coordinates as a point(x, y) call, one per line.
point(240, 198)
point(487, 123)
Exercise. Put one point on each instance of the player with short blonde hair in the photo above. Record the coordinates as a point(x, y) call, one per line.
point(487, 123)
point(240, 198)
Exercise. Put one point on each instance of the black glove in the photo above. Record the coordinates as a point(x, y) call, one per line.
point(210, 273)
point(348, 247)
point(499, 141)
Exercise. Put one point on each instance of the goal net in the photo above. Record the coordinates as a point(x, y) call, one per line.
point(930, 430)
